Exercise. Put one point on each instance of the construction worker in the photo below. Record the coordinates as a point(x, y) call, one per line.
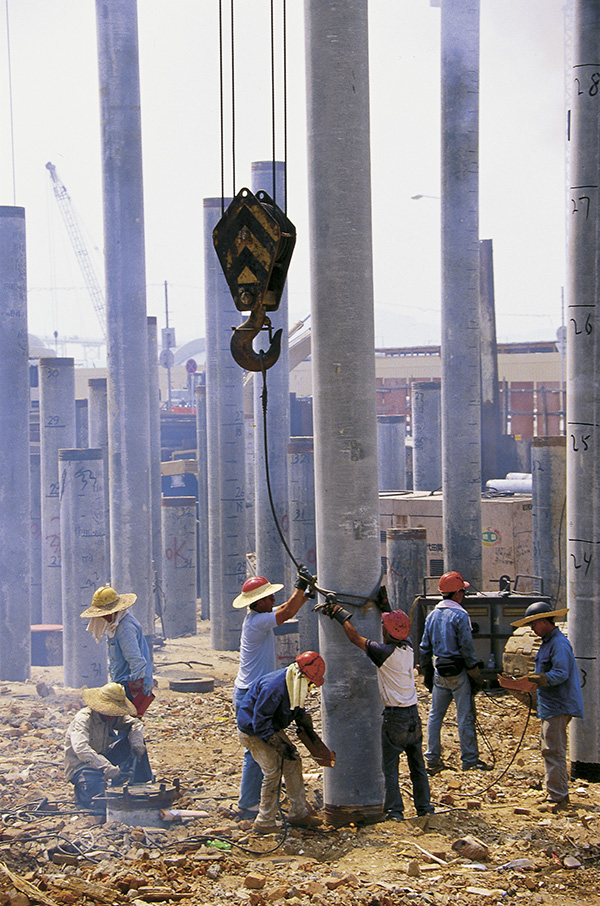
point(559, 695)
point(129, 661)
point(104, 741)
point(401, 728)
point(269, 706)
point(447, 638)
point(257, 657)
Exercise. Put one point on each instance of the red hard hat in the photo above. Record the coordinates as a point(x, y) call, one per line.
point(451, 582)
point(255, 588)
point(397, 624)
point(312, 666)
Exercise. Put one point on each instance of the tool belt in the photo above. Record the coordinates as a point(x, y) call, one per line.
point(449, 666)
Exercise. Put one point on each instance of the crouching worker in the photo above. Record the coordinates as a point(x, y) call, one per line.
point(104, 741)
point(401, 729)
point(268, 708)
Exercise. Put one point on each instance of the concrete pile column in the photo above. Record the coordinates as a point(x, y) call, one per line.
point(57, 432)
point(461, 363)
point(15, 610)
point(201, 443)
point(226, 450)
point(427, 436)
point(391, 443)
point(98, 438)
point(155, 454)
point(36, 537)
point(271, 557)
point(83, 544)
point(406, 552)
point(348, 534)
point(127, 344)
point(583, 388)
point(81, 424)
point(179, 566)
point(549, 487)
point(302, 531)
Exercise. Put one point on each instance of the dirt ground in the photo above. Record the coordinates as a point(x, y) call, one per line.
point(65, 856)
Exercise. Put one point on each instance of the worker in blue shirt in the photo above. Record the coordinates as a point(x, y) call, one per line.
point(129, 660)
point(257, 658)
point(454, 675)
point(269, 707)
point(559, 695)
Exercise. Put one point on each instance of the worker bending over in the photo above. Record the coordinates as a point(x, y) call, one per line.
point(104, 741)
point(269, 707)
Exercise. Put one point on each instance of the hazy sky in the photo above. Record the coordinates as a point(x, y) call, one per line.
point(55, 113)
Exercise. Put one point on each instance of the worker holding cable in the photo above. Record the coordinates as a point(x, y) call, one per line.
point(269, 707)
point(559, 695)
point(401, 727)
point(453, 675)
point(257, 657)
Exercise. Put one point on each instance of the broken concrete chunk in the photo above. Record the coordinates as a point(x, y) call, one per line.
point(470, 848)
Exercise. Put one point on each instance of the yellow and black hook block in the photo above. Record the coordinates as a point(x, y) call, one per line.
point(254, 241)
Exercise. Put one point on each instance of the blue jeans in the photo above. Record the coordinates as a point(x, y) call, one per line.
point(401, 732)
point(446, 688)
point(252, 775)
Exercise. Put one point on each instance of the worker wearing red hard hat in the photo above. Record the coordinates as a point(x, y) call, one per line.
point(401, 727)
point(451, 670)
point(269, 707)
point(257, 657)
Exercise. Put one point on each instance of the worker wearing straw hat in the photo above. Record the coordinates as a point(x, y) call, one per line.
point(129, 661)
point(104, 741)
point(559, 695)
point(257, 658)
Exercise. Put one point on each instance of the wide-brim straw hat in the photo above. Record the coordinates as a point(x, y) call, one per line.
point(557, 614)
point(107, 601)
point(109, 700)
point(245, 598)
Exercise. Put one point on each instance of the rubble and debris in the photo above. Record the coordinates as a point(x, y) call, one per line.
point(58, 854)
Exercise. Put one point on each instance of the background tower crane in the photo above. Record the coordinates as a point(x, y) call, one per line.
point(79, 247)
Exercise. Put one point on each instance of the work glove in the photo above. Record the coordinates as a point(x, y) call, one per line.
point(540, 679)
point(112, 771)
point(475, 680)
point(428, 673)
point(305, 581)
point(135, 686)
point(284, 749)
point(305, 720)
point(332, 610)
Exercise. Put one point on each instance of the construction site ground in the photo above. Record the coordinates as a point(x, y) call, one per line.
point(491, 840)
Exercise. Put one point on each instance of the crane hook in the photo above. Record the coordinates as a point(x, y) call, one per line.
point(254, 241)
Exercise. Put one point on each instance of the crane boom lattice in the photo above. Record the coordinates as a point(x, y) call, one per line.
point(92, 283)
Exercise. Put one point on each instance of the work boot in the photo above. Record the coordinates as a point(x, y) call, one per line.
point(310, 820)
point(478, 766)
point(434, 767)
point(266, 828)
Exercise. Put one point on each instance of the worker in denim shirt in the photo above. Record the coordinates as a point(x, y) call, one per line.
point(559, 695)
point(129, 661)
point(448, 638)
